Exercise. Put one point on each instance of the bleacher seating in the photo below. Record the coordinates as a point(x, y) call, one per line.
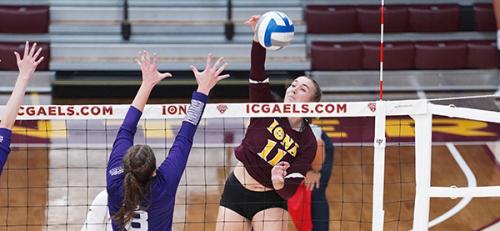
point(482, 55)
point(428, 45)
point(336, 56)
point(330, 19)
point(24, 19)
point(395, 19)
point(398, 18)
point(9, 60)
point(406, 55)
point(168, 30)
point(330, 35)
point(397, 56)
point(484, 17)
point(433, 18)
point(80, 56)
point(41, 82)
point(355, 83)
point(20, 23)
point(158, 24)
point(440, 55)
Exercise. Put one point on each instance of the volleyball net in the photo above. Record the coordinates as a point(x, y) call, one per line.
point(384, 155)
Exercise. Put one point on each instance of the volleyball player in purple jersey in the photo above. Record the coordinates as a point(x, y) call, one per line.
point(255, 193)
point(141, 196)
point(27, 66)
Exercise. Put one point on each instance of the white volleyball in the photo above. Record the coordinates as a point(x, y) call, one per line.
point(274, 30)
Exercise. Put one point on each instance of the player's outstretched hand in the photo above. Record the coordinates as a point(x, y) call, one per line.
point(150, 74)
point(211, 75)
point(252, 23)
point(28, 63)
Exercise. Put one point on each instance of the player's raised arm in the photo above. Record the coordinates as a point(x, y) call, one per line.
point(125, 137)
point(27, 65)
point(131, 169)
point(174, 165)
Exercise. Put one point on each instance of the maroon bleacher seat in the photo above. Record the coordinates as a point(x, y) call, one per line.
point(484, 17)
point(433, 18)
point(482, 54)
point(395, 19)
point(24, 19)
point(9, 60)
point(336, 55)
point(397, 56)
point(440, 55)
point(330, 19)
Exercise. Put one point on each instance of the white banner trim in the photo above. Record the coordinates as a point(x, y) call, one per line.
point(219, 110)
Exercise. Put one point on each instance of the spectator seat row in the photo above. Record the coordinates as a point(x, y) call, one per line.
point(324, 19)
point(428, 55)
point(9, 60)
point(24, 19)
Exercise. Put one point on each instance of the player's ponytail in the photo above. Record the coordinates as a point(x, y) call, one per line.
point(139, 165)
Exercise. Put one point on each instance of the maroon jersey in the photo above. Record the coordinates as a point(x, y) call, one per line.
point(270, 140)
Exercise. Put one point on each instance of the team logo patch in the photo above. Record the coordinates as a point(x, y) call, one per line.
point(372, 106)
point(116, 171)
point(222, 108)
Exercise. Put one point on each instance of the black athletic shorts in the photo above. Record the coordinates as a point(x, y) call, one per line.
point(246, 202)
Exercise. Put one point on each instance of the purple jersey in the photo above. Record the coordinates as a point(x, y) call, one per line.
point(5, 135)
point(270, 140)
point(160, 206)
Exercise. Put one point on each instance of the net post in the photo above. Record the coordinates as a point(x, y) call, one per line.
point(423, 155)
point(378, 167)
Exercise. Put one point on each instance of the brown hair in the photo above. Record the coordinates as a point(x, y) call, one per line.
point(317, 94)
point(138, 165)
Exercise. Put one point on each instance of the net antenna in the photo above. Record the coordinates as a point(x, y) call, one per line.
point(381, 81)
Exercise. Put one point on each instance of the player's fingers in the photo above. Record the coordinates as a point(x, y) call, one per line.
point(165, 75)
point(217, 64)
point(221, 77)
point(221, 68)
point(39, 61)
point(193, 68)
point(143, 57)
point(147, 58)
point(155, 59)
point(37, 53)
point(18, 58)
point(32, 50)
point(138, 61)
point(209, 61)
point(26, 47)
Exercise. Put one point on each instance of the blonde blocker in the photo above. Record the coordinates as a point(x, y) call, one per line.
point(139, 165)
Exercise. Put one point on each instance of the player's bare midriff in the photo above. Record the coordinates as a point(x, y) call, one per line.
point(248, 181)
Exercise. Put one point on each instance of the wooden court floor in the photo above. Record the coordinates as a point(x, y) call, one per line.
point(24, 190)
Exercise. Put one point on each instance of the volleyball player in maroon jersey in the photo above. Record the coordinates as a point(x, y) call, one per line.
point(255, 193)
